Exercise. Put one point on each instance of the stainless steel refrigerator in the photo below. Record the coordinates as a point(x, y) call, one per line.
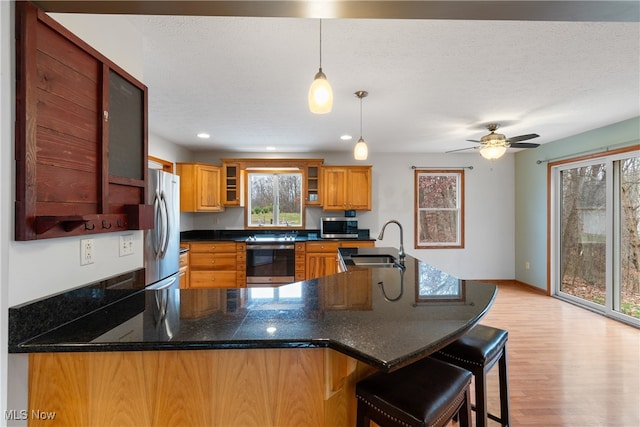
point(162, 256)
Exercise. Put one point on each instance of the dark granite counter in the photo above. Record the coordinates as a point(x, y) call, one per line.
point(242, 235)
point(386, 317)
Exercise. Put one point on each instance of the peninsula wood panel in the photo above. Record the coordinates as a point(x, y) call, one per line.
point(258, 387)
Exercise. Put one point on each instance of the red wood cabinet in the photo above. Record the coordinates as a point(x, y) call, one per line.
point(81, 136)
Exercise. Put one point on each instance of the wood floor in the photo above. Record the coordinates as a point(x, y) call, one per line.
point(567, 366)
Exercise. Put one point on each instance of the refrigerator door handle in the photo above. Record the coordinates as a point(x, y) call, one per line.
point(158, 233)
point(166, 225)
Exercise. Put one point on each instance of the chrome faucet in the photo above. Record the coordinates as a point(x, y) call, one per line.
point(401, 253)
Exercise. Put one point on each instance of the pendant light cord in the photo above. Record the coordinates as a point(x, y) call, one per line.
point(321, 44)
point(361, 117)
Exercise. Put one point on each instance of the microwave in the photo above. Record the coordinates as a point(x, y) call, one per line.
point(338, 228)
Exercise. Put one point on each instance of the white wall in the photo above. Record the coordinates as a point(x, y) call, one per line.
point(6, 138)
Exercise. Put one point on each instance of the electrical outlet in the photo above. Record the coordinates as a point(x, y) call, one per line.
point(527, 265)
point(86, 251)
point(126, 245)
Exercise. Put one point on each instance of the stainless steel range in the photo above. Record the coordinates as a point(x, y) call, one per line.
point(270, 259)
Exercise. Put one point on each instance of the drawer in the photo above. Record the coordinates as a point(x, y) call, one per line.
point(212, 279)
point(184, 259)
point(300, 247)
point(213, 247)
point(357, 244)
point(212, 261)
point(322, 246)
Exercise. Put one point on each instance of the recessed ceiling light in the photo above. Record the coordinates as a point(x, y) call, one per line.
point(346, 137)
point(271, 148)
point(204, 135)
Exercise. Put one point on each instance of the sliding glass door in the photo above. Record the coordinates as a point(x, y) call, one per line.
point(595, 234)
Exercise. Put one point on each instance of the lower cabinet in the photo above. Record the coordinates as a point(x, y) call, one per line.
point(231, 388)
point(216, 265)
point(183, 272)
point(322, 257)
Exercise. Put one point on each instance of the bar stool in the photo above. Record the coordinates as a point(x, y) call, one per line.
point(426, 393)
point(478, 351)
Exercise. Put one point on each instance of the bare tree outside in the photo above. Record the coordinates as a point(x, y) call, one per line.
point(439, 209)
point(584, 227)
point(275, 199)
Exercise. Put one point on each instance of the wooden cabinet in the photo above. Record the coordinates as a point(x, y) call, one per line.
point(312, 198)
point(231, 184)
point(80, 136)
point(183, 272)
point(348, 295)
point(300, 261)
point(199, 187)
point(322, 257)
point(217, 265)
point(346, 187)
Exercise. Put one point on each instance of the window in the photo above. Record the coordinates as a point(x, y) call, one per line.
point(275, 199)
point(595, 234)
point(439, 209)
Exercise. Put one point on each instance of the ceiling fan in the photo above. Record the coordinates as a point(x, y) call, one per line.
point(494, 145)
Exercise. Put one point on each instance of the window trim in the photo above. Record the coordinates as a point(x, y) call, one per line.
point(459, 243)
point(273, 171)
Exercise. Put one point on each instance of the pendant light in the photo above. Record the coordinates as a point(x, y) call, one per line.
point(320, 92)
point(360, 151)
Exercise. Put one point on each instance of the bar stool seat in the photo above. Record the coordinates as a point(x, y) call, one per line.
point(478, 351)
point(426, 393)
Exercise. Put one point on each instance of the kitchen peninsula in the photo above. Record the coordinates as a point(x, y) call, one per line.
point(290, 356)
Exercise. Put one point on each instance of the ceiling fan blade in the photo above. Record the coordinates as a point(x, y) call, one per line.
point(461, 149)
point(522, 137)
point(523, 145)
point(473, 140)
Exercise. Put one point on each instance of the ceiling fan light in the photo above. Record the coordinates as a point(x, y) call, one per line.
point(320, 94)
point(360, 150)
point(493, 152)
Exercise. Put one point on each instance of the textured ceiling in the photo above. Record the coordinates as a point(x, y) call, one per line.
point(432, 83)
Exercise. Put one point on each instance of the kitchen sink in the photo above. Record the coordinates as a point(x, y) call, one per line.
point(377, 260)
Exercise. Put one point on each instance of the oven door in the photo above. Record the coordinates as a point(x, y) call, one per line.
point(270, 264)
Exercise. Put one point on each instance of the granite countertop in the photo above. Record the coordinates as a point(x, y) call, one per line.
point(386, 317)
point(242, 235)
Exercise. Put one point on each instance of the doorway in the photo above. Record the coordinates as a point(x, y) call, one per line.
point(595, 234)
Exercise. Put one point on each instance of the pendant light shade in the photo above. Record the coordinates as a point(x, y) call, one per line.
point(493, 152)
point(320, 92)
point(361, 151)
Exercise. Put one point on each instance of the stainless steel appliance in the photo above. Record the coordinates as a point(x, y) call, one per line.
point(270, 260)
point(162, 255)
point(339, 228)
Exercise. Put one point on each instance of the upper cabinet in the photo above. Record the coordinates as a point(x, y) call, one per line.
point(81, 136)
point(231, 188)
point(346, 187)
point(199, 187)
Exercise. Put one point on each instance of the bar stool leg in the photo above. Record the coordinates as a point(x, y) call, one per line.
point(504, 390)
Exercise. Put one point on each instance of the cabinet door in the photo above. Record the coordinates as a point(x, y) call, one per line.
point(334, 188)
point(321, 264)
point(346, 187)
point(208, 187)
point(231, 184)
point(358, 188)
point(199, 187)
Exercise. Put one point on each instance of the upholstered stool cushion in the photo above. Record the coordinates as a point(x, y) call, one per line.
point(479, 346)
point(427, 390)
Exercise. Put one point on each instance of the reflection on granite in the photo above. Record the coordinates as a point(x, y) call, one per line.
point(36, 317)
point(348, 312)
